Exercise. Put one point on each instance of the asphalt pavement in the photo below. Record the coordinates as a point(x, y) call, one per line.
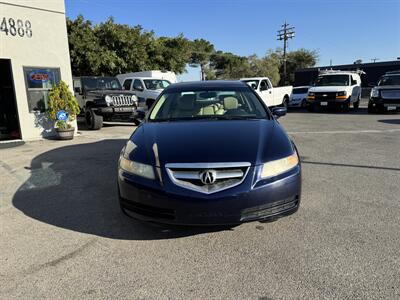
point(62, 234)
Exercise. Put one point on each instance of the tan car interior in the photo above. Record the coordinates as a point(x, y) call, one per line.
point(189, 106)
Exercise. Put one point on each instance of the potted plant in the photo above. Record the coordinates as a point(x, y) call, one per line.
point(63, 109)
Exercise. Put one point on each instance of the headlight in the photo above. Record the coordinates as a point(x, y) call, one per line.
point(342, 93)
point(137, 168)
point(133, 98)
point(374, 92)
point(133, 167)
point(108, 100)
point(276, 167)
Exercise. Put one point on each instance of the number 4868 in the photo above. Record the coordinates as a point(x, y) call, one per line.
point(10, 26)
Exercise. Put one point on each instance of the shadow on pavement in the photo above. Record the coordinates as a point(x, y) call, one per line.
point(75, 187)
point(390, 121)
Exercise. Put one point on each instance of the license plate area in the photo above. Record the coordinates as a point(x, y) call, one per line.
point(324, 103)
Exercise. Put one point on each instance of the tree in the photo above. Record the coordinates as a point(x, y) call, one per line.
point(201, 54)
point(299, 59)
point(229, 66)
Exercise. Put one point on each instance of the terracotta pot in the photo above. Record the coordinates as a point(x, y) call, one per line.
point(65, 134)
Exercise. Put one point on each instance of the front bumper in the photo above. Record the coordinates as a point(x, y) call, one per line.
point(384, 104)
point(147, 200)
point(328, 102)
point(111, 110)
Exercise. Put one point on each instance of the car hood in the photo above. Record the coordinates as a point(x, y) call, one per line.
point(253, 141)
point(388, 87)
point(109, 92)
point(326, 89)
point(154, 93)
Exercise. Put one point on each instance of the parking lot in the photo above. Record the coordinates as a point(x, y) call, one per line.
point(63, 235)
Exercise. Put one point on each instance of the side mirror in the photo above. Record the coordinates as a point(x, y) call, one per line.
point(78, 90)
point(279, 111)
point(371, 84)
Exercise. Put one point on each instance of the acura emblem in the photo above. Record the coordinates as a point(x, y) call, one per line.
point(208, 176)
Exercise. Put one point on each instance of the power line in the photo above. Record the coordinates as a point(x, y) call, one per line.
point(283, 35)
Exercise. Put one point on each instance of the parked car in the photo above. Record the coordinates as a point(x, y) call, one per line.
point(299, 97)
point(272, 96)
point(334, 88)
point(207, 153)
point(385, 96)
point(102, 98)
point(146, 85)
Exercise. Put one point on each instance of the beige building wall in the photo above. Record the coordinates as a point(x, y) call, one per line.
point(47, 48)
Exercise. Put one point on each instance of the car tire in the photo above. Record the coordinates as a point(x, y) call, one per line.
point(93, 121)
point(285, 102)
point(371, 109)
point(149, 103)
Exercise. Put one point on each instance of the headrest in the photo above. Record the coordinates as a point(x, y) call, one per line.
point(186, 102)
point(230, 103)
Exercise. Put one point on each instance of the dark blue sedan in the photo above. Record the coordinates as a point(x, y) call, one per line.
point(209, 153)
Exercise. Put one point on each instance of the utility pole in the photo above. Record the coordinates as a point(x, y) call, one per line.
point(283, 35)
point(374, 59)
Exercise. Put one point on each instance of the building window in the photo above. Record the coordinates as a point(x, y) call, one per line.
point(39, 82)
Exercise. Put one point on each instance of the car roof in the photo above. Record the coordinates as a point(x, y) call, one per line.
point(209, 84)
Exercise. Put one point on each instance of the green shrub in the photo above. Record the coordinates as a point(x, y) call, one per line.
point(61, 98)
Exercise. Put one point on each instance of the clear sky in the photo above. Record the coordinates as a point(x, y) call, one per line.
point(340, 30)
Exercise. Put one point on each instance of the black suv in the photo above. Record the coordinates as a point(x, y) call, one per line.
point(385, 96)
point(102, 98)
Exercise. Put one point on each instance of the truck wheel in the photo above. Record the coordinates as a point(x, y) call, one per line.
point(93, 121)
point(285, 102)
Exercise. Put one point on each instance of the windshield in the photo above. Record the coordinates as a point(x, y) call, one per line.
point(332, 80)
point(300, 91)
point(389, 80)
point(252, 83)
point(215, 104)
point(101, 83)
point(156, 84)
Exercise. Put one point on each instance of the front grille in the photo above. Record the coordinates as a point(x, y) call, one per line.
point(325, 96)
point(122, 100)
point(390, 94)
point(269, 209)
point(208, 178)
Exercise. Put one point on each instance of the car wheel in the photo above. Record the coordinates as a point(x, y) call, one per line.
point(93, 121)
point(285, 102)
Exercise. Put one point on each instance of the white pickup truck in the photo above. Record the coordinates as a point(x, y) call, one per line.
point(272, 96)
